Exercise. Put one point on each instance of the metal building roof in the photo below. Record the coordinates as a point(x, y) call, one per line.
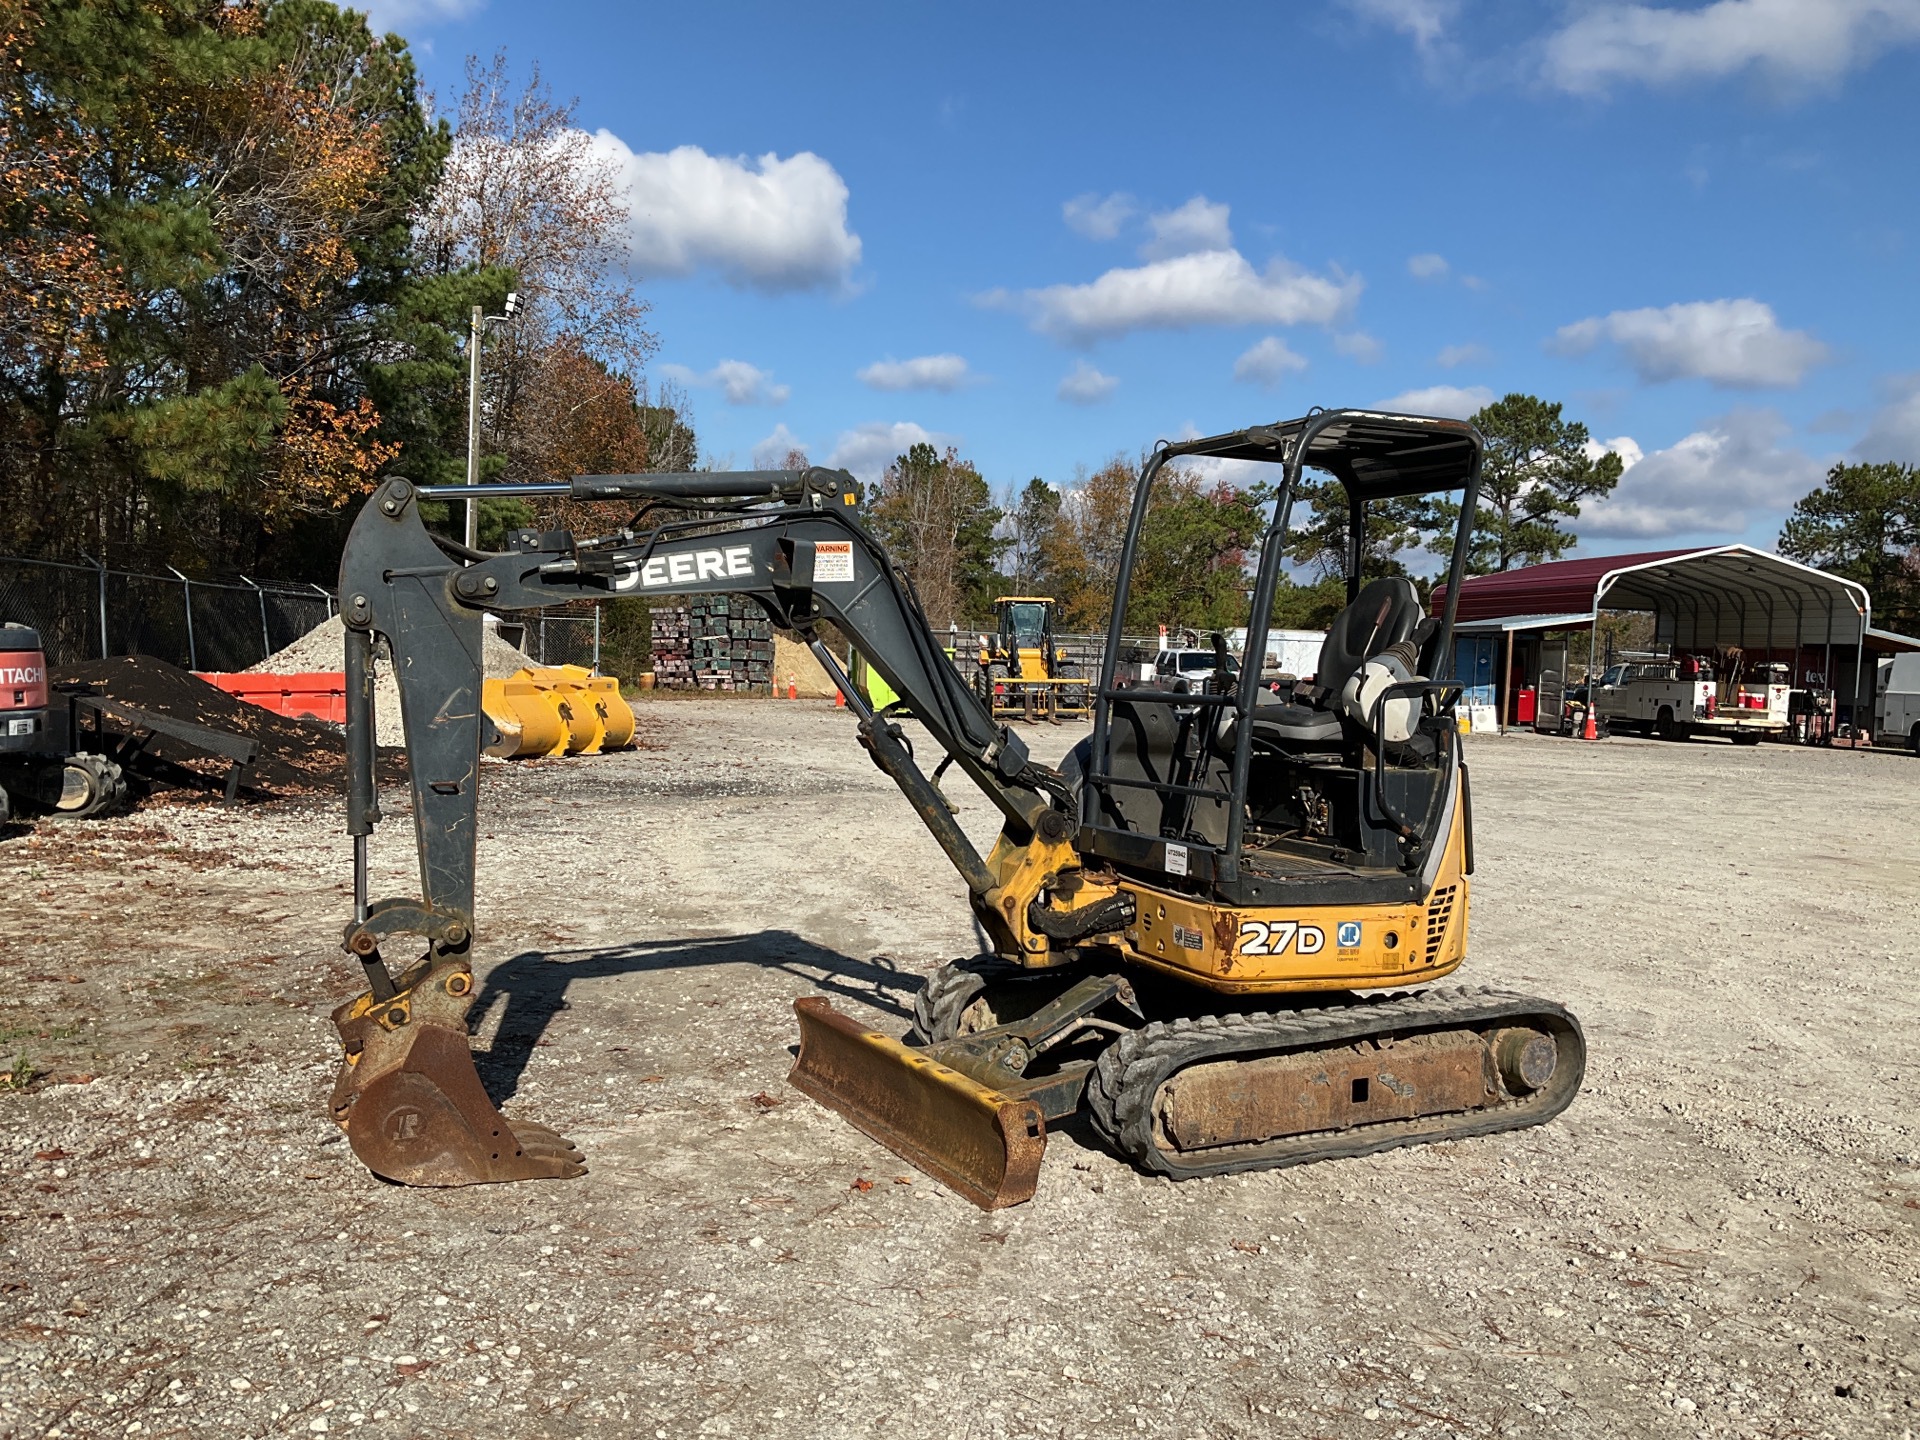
point(1726, 595)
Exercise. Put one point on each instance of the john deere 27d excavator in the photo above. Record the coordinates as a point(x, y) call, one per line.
point(1203, 924)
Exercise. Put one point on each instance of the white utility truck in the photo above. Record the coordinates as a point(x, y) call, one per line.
point(1896, 703)
point(1674, 699)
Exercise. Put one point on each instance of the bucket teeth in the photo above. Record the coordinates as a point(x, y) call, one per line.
point(412, 1104)
point(972, 1139)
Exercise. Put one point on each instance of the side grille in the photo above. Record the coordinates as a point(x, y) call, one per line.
point(1439, 913)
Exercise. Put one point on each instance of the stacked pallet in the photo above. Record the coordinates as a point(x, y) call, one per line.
point(716, 642)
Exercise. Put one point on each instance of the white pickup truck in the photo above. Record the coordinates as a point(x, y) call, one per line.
point(1651, 696)
point(1896, 704)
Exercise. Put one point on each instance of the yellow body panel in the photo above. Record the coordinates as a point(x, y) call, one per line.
point(1255, 950)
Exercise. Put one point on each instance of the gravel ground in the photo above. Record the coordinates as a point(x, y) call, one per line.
point(1719, 1238)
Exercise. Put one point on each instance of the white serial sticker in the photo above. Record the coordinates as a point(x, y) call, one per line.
point(688, 568)
point(1261, 937)
point(1188, 939)
point(832, 561)
point(1176, 859)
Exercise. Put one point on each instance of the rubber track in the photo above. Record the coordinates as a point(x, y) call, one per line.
point(949, 991)
point(1121, 1092)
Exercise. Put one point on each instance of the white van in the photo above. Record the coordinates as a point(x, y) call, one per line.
point(1896, 702)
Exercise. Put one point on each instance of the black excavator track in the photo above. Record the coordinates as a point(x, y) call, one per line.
point(1343, 1070)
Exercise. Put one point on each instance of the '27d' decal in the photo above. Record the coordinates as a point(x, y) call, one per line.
point(1260, 937)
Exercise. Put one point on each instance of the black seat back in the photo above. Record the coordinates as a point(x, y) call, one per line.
point(1141, 743)
point(1385, 612)
point(1158, 743)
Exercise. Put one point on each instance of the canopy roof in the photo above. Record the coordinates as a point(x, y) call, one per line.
point(1373, 454)
point(1727, 595)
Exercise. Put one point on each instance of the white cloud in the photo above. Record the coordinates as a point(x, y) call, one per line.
point(1216, 287)
point(1795, 42)
point(1084, 385)
point(1197, 226)
point(923, 372)
point(1456, 355)
point(1625, 446)
point(868, 449)
point(1359, 347)
point(766, 223)
point(1428, 266)
point(1422, 21)
point(739, 382)
point(1894, 433)
point(1268, 362)
point(1732, 343)
point(771, 453)
point(1099, 217)
point(1716, 481)
point(1454, 402)
point(385, 16)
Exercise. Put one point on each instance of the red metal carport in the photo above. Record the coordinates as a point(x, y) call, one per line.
point(1728, 595)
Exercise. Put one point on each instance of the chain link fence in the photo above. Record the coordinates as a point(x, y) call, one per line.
point(560, 639)
point(87, 612)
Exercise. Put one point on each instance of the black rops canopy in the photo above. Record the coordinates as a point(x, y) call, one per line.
point(1374, 455)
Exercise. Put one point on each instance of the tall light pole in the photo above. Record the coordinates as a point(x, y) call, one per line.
point(476, 331)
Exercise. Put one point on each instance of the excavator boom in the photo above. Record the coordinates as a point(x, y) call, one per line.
point(408, 1095)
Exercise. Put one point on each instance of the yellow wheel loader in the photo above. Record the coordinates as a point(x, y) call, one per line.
point(1022, 674)
point(1215, 928)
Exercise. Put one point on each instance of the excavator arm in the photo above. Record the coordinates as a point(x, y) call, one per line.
point(408, 1095)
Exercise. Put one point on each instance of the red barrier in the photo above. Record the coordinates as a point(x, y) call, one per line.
point(315, 695)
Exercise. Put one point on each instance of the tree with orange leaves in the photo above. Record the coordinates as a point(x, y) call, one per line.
point(219, 334)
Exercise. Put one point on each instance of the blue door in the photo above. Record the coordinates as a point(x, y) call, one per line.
point(1473, 660)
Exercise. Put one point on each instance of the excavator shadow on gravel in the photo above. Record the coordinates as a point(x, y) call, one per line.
point(1214, 927)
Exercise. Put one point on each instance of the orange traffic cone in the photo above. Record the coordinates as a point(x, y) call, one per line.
point(839, 701)
point(1589, 732)
point(793, 689)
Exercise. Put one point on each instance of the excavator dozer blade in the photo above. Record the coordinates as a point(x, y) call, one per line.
point(411, 1102)
point(970, 1138)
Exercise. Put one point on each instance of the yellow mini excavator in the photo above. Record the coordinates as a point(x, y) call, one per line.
point(1214, 927)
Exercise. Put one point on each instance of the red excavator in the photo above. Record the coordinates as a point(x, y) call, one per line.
point(40, 771)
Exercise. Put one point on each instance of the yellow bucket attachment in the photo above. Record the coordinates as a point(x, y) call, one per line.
point(527, 717)
point(557, 710)
point(615, 712)
point(972, 1139)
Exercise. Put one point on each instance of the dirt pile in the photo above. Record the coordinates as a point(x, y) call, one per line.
point(324, 648)
point(295, 757)
point(794, 661)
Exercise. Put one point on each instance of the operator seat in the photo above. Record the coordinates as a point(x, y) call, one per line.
point(1386, 612)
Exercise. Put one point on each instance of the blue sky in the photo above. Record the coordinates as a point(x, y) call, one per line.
point(1046, 233)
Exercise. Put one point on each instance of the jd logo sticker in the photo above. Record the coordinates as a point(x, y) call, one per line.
point(1348, 935)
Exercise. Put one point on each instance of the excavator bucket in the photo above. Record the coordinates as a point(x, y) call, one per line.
point(970, 1138)
point(411, 1101)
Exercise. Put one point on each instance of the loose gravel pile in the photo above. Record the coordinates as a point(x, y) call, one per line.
point(324, 648)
